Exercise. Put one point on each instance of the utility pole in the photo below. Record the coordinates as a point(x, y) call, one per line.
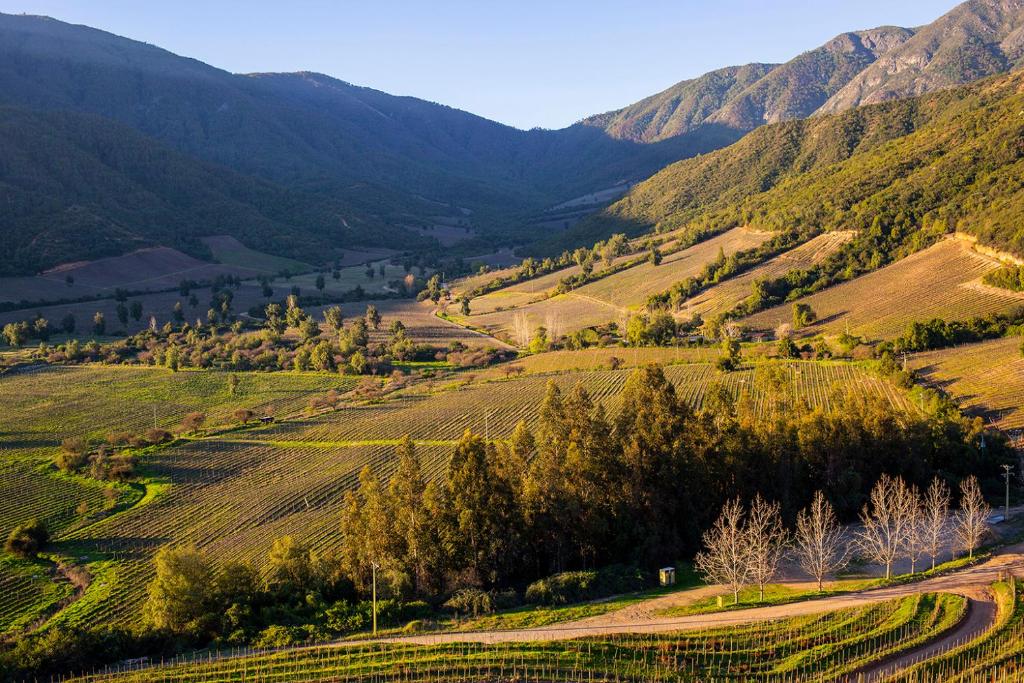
point(1006, 475)
point(374, 567)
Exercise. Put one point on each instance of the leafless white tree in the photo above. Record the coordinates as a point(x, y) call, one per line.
point(521, 328)
point(885, 522)
point(767, 540)
point(971, 521)
point(726, 557)
point(935, 522)
point(553, 323)
point(915, 547)
point(821, 547)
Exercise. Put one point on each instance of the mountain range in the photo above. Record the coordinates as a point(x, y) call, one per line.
point(162, 149)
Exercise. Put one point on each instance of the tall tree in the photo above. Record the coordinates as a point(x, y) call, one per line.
point(411, 523)
point(885, 522)
point(726, 555)
point(971, 524)
point(935, 518)
point(821, 547)
point(767, 540)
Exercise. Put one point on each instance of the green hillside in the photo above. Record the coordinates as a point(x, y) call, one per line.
point(78, 187)
point(947, 160)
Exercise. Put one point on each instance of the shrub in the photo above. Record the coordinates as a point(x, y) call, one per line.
point(25, 540)
point(579, 586)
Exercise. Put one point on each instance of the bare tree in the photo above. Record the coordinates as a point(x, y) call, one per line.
point(553, 323)
point(935, 522)
point(821, 547)
point(916, 537)
point(971, 522)
point(521, 328)
point(767, 539)
point(725, 559)
point(885, 522)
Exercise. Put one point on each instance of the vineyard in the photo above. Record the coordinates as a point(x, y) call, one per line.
point(942, 281)
point(987, 378)
point(821, 647)
point(233, 493)
point(997, 655)
point(727, 294)
point(611, 298)
point(26, 589)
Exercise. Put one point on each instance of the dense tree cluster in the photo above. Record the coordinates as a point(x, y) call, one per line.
point(586, 490)
point(938, 333)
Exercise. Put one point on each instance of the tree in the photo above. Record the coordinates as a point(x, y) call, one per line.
point(654, 257)
point(885, 522)
point(179, 594)
point(357, 362)
point(410, 518)
point(726, 555)
point(178, 312)
point(73, 454)
point(320, 283)
point(243, 415)
point(767, 540)
point(916, 546)
point(803, 315)
point(192, 422)
point(935, 518)
point(309, 329)
point(99, 324)
point(291, 563)
point(821, 549)
point(233, 383)
point(465, 305)
point(971, 520)
point(334, 319)
point(122, 313)
point(787, 348)
point(135, 309)
point(372, 317)
point(322, 357)
point(26, 540)
point(16, 334)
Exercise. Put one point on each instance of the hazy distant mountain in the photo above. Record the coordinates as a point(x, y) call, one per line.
point(976, 39)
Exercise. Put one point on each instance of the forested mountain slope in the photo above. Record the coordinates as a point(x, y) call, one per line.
point(953, 157)
point(78, 187)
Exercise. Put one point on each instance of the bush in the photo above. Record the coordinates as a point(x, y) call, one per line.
point(569, 587)
point(25, 540)
point(472, 601)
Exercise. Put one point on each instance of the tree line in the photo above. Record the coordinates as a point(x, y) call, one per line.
point(748, 547)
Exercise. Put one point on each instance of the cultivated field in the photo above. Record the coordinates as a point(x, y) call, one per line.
point(942, 281)
point(987, 378)
point(819, 647)
point(729, 293)
point(144, 269)
point(233, 493)
point(612, 298)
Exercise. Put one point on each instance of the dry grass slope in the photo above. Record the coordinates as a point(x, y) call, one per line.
point(942, 281)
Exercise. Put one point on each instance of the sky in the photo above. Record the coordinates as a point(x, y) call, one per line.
point(526, 63)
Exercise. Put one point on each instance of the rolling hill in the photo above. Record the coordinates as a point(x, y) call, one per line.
point(78, 187)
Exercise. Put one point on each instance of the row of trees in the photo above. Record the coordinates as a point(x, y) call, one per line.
point(746, 548)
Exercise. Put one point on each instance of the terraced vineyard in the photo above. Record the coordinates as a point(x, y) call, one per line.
point(942, 281)
point(819, 647)
point(997, 655)
point(987, 378)
point(611, 298)
point(727, 294)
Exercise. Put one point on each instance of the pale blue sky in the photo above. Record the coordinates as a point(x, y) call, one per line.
point(526, 63)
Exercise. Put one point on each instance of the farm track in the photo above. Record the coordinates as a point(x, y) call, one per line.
point(980, 617)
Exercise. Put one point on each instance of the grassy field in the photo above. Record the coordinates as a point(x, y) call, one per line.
point(819, 647)
point(230, 251)
point(26, 590)
point(987, 378)
point(727, 294)
point(611, 298)
point(942, 281)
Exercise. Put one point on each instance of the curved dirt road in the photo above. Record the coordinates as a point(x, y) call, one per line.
point(643, 617)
